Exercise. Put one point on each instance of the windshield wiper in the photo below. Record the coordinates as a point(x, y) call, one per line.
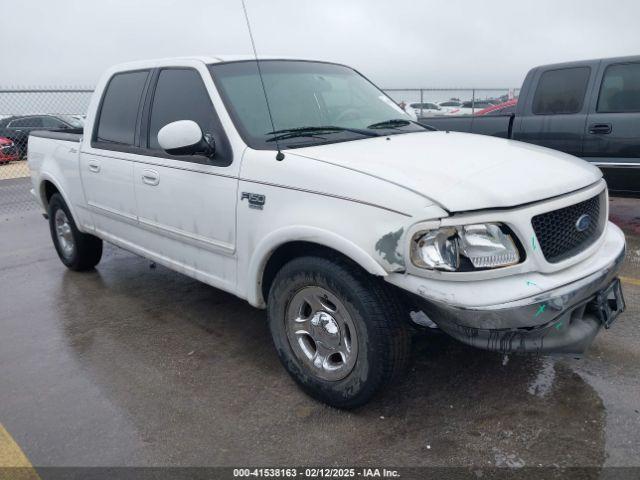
point(315, 131)
point(395, 123)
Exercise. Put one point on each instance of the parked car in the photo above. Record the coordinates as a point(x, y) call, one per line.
point(469, 108)
point(450, 104)
point(77, 121)
point(17, 128)
point(408, 110)
point(426, 109)
point(448, 107)
point(505, 108)
point(590, 109)
point(335, 212)
point(8, 150)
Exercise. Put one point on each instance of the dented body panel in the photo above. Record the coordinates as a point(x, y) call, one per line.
point(461, 171)
point(364, 199)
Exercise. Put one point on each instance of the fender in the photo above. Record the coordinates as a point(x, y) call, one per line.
point(47, 177)
point(271, 242)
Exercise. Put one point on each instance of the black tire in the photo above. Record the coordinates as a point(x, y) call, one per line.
point(87, 250)
point(383, 338)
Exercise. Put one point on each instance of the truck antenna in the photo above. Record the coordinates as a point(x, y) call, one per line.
point(279, 155)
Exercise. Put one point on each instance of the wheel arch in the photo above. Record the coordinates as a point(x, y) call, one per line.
point(284, 245)
point(47, 188)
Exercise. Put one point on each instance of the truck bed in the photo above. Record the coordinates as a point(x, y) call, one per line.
point(57, 154)
point(71, 135)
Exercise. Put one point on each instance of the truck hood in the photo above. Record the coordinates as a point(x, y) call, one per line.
point(461, 171)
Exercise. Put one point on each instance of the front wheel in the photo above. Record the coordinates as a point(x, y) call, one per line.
point(78, 251)
point(338, 331)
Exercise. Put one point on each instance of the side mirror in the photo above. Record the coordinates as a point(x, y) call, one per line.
point(184, 137)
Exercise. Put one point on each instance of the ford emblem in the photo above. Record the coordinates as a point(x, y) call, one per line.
point(583, 222)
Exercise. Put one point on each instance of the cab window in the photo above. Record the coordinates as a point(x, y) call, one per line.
point(620, 89)
point(561, 91)
point(180, 94)
point(119, 110)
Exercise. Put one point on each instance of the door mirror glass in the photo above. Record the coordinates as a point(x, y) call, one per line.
point(185, 137)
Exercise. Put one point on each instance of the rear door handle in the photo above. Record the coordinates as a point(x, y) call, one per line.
point(150, 177)
point(600, 128)
point(94, 166)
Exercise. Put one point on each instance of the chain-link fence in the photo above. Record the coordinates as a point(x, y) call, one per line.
point(429, 102)
point(24, 110)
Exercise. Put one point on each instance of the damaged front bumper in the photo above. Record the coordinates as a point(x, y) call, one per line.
point(564, 319)
point(577, 317)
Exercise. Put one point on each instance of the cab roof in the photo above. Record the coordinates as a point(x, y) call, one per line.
point(158, 62)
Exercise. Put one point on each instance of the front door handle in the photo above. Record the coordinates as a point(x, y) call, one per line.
point(94, 166)
point(150, 177)
point(600, 128)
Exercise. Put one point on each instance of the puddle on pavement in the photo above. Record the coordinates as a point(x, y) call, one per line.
point(195, 371)
point(543, 381)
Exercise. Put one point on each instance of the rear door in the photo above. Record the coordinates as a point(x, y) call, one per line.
point(187, 204)
point(612, 134)
point(555, 114)
point(106, 167)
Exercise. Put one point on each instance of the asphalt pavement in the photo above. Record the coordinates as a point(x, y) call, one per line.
point(130, 365)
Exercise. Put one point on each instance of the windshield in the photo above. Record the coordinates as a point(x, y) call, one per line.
point(73, 121)
point(311, 103)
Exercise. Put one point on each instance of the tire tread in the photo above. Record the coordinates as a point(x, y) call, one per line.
point(384, 320)
point(88, 247)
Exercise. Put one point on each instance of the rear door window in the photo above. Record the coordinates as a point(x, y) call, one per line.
point(119, 110)
point(620, 89)
point(561, 91)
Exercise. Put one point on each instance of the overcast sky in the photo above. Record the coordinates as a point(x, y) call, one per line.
point(399, 43)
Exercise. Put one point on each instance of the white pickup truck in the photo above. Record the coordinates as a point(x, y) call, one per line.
point(324, 203)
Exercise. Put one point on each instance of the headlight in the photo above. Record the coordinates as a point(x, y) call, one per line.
point(483, 246)
point(436, 249)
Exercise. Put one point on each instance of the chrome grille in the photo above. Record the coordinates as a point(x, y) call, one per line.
point(558, 234)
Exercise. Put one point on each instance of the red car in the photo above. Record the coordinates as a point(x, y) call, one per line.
point(8, 151)
point(504, 108)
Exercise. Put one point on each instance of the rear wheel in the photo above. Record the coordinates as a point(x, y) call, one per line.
point(78, 251)
point(338, 330)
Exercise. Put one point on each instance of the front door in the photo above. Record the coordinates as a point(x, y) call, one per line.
point(187, 204)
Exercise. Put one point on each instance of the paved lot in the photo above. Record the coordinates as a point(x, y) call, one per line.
point(17, 169)
point(15, 197)
point(130, 365)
